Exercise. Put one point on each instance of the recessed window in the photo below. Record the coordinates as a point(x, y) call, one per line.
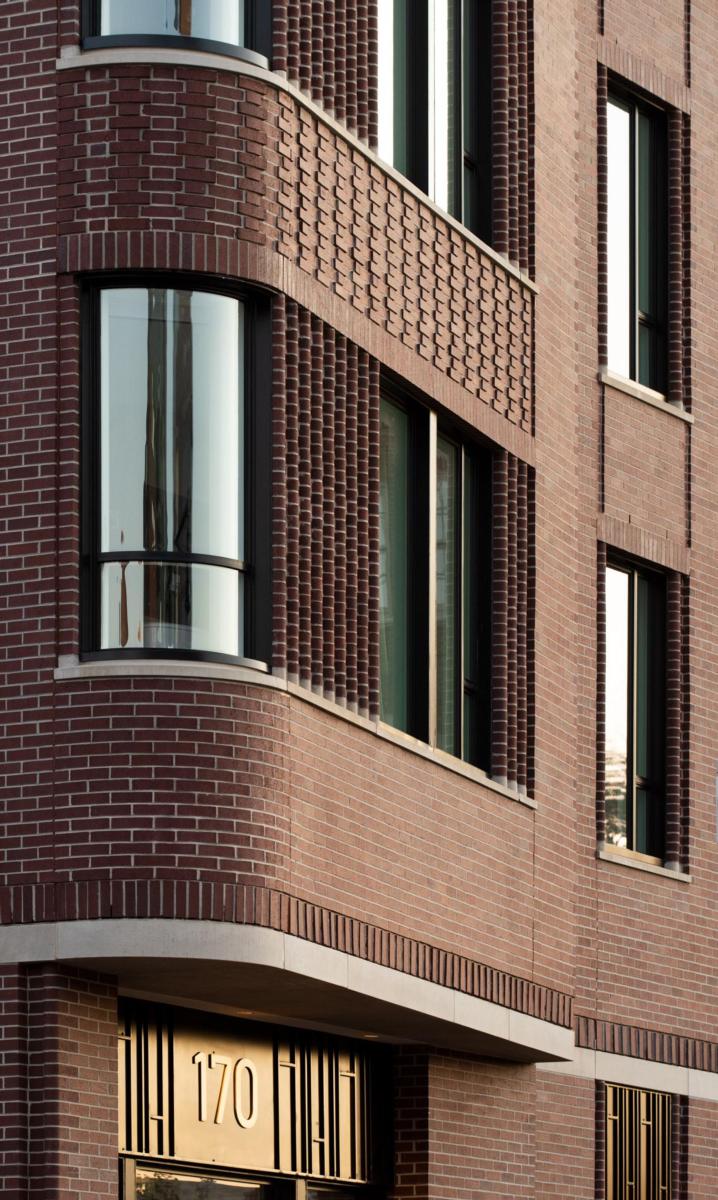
point(435, 101)
point(230, 26)
point(638, 1144)
point(435, 522)
point(636, 247)
point(635, 710)
point(166, 469)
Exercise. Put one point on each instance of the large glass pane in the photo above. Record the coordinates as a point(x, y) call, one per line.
point(619, 239)
point(171, 420)
point(214, 20)
point(171, 606)
point(646, 208)
point(393, 564)
point(447, 630)
point(617, 680)
point(476, 116)
point(163, 1185)
point(470, 613)
point(445, 90)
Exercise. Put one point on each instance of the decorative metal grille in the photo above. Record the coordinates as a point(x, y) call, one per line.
point(638, 1144)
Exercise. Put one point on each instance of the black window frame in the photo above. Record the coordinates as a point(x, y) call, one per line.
point(421, 660)
point(655, 785)
point(256, 567)
point(414, 106)
point(637, 105)
point(258, 21)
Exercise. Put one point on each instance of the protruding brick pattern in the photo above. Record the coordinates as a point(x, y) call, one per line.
point(512, 119)
point(512, 622)
point(329, 49)
point(143, 190)
point(328, 574)
point(653, 1045)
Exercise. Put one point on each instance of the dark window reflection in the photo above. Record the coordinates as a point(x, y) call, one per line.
point(161, 1185)
point(171, 469)
point(212, 20)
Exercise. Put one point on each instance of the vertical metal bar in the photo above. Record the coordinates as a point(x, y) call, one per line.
point(632, 677)
point(461, 567)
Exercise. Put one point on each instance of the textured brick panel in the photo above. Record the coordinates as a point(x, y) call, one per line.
point(650, 1044)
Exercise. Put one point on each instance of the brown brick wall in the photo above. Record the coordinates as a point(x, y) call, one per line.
point(59, 1103)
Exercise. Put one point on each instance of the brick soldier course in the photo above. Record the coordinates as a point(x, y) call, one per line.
point(249, 838)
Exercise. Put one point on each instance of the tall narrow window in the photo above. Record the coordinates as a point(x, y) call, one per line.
point(435, 585)
point(635, 710)
point(637, 249)
point(169, 468)
point(435, 101)
point(638, 1144)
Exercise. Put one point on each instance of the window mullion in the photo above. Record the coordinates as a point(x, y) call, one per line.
point(635, 243)
point(461, 567)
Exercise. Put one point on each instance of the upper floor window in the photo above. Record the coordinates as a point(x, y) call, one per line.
point(635, 709)
point(637, 241)
point(166, 472)
point(225, 25)
point(435, 101)
point(435, 572)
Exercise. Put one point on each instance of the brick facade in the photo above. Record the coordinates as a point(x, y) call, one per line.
point(289, 808)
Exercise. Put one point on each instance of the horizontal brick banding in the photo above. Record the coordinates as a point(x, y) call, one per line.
point(652, 1045)
point(272, 909)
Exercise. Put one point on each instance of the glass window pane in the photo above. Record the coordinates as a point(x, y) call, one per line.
point(171, 606)
point(214, 20)
point(385, 19)
point(619, 239)
point(646, 208)
point(447, 632)
point(162, 1185)
point(393, 565)
point(172, 463)
point(472, 524)
point(650, 680)
point(617, 681)
point(445, 89)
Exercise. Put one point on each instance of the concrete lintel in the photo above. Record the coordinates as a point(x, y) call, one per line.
point(285, 978)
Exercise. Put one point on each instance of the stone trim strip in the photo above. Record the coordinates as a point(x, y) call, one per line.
point(268, 908)
point(652, 1045)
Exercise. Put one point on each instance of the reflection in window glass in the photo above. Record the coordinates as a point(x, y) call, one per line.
point(213, 20)
point(617, 649)
point(171, 469)
point(447, 531)
point(393, 565)
point(171, 411)
point(619, 239)
point(159, 1185)
point(171, 606)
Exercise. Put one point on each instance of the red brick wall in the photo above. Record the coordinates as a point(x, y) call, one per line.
point(565, 1136)
point(481, 1129)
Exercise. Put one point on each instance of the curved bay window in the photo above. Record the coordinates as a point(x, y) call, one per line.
point(165, 463)
point(236, 27)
